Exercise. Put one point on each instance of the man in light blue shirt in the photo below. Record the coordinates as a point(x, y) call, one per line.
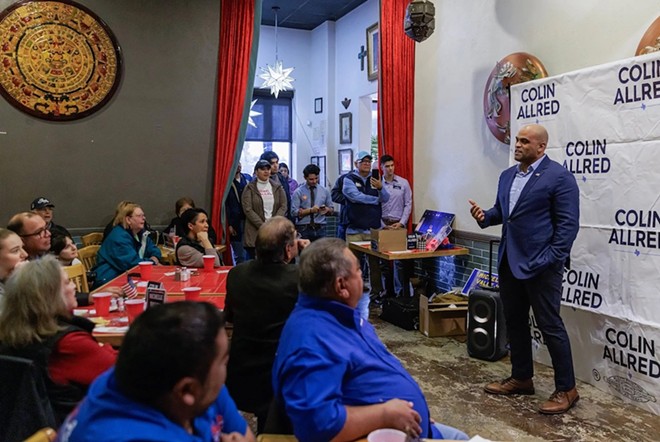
point(396, 213)
point(310, 204)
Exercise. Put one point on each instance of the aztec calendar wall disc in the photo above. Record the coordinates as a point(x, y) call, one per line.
point(58, 60)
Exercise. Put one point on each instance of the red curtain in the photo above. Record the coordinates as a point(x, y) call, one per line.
point(396, 88)
point(240, 21)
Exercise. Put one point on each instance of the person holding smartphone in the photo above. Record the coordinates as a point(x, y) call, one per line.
point(364, 198)
point(310, 204)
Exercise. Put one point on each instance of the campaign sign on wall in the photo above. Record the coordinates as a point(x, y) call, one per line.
point(604, 127)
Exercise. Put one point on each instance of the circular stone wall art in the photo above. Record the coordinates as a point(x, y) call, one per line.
point(650, 41)
point(58, 60)
point(515, 68)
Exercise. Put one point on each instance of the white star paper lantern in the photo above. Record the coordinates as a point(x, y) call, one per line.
point(253, 113)
point(277, 78)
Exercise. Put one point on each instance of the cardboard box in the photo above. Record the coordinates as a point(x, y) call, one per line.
point(389, 240)
point(442, 318)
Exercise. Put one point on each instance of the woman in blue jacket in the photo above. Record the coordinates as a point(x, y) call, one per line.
point(127, 245)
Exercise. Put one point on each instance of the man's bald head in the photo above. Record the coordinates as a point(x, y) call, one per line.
point(531, 142)
point(276, 240)
point(539, 131)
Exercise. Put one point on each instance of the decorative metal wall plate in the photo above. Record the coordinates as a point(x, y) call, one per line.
point(650, 41)
point(58, 60)
point(515, 68)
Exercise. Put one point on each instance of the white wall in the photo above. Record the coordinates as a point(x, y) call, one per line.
point(327, 66)
point(351, 82)
point(456, 157)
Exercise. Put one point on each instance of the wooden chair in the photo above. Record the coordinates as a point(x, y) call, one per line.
point(43, 435)
point(88, 256)
point(167, 256)
point(92, 239)
point(264, 437)
point(78, 275)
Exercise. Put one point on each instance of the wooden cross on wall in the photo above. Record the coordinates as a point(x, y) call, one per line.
point(361, 55)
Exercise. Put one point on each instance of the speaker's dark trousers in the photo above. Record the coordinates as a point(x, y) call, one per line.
point(543, 294)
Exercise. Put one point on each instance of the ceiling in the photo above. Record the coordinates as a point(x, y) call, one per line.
point(305, 14)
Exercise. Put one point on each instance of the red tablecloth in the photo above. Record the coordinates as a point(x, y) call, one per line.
point(213, 283)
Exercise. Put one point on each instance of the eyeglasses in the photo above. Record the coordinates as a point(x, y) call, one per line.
point(365, 161)
point(142, 215)
point(40, 233)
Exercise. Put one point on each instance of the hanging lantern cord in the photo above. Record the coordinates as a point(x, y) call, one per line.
point(275, 9)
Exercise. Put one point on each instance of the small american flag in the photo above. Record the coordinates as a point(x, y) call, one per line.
point(129, 290)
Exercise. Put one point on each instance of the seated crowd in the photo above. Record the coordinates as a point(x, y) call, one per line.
point(300, 348)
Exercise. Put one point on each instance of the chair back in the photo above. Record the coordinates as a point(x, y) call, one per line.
point(43, 435)
point(94, 238)
point(78, 275)
point(88, 256)
point(167, 256)
point(277, 421)
point(23, 399)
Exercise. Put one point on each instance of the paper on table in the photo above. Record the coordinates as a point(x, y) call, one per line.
point(142, 283)
point(110, 329)
point(362, 243)
point(223, 271)
point(169, 273)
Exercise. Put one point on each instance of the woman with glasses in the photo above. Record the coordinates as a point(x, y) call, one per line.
point(126, 246)
point(12, 255)
point(36, 323)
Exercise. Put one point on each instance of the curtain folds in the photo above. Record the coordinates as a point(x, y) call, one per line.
point(396, 88)
point(240, 21)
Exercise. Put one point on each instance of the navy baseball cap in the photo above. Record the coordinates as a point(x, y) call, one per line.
point(40, 203)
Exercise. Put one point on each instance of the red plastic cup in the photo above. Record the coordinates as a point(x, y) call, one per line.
point(192, 293)
point(133, 308)
point(175, 240)
point(209, 262)
point(146, 268)
point(102, 303)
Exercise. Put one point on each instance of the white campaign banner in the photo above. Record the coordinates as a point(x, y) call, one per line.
point(604, 127)
point(614, 355)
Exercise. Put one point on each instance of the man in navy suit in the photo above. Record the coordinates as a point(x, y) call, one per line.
point(538, 206)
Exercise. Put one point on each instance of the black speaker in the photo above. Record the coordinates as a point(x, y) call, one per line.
point(486, 328)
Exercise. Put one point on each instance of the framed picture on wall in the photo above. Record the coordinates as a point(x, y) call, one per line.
point(318, 105)
point(320, 161)
point(346, 128)
point(345, 160)
point(372, 52)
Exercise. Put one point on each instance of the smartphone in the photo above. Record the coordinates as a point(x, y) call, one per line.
point(375, 174)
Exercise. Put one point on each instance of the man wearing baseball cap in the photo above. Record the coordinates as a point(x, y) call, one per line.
point(364, 196)
point(44, 208)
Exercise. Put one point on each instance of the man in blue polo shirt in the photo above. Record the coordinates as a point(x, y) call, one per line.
point(364, 196)
point(337, 381)
point(310, 204)
point(167, 384)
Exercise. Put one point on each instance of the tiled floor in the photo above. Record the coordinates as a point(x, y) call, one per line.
point(453, 384)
